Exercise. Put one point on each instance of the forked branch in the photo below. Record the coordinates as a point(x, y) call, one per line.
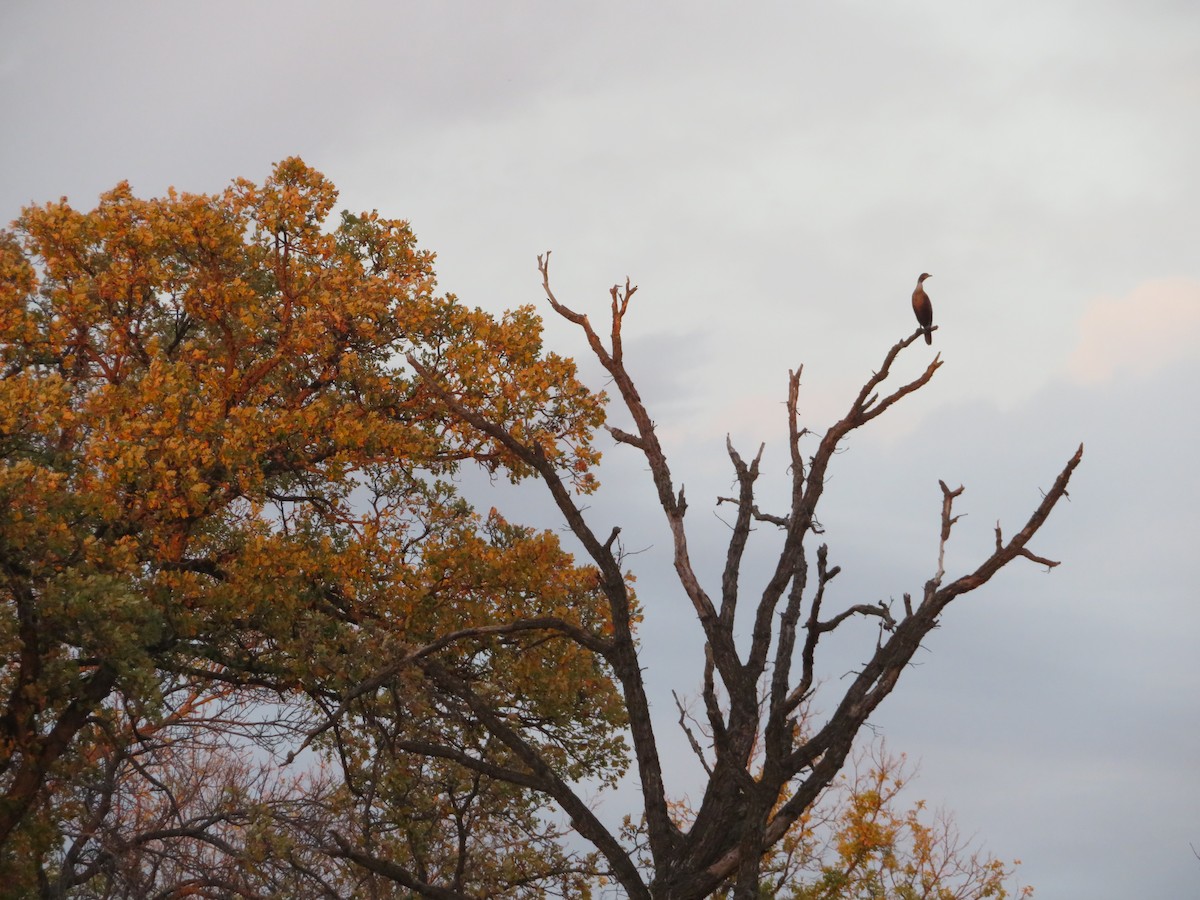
point(765, 767)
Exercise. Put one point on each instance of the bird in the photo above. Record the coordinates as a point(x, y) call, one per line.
point(923, 308)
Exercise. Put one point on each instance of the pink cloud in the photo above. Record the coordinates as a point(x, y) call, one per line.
point(1154, 325)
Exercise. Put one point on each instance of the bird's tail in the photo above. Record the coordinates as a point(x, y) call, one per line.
point(928, 336)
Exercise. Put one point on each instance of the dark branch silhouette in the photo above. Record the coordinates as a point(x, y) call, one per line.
point(763, 769)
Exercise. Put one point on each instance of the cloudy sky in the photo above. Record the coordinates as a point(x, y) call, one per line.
point(774, 176)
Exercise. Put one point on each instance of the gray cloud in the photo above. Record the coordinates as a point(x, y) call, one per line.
point(774, 177)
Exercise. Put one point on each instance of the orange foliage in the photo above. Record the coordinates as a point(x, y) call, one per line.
point(214, 453)
point(860, 842)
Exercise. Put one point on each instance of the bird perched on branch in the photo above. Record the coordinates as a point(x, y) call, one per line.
point(923, 308)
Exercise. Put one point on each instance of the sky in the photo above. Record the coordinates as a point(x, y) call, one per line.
point(774, 176)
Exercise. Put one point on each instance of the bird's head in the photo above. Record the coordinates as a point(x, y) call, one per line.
point(924, 275)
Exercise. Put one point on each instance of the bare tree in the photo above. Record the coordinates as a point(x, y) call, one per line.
point(184, 802)
point(764, 770)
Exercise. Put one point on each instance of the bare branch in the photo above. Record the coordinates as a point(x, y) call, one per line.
point(784, 522)
point(582, 818)
point(746, 475)
point(712, 706)
point(612, 538)
point(391, 870)
point(673, 504)
point(624, 437)
point(764, 766)
point(948, 497)
point(862, 609)
point(1041, 560)
point(813, 631)
point(1015, 547)
point(696, 748)
point(623, 658)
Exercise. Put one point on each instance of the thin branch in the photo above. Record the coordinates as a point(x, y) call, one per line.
point(695, 744)
point(861, 609)
point(391, 870)
point(1015, 547)
point(624, 437)
point(646, 440)
point(623, 658)
point(813, 632)
point(746, 475)
point(582, 817)
point(948, 497)
point(545, 623)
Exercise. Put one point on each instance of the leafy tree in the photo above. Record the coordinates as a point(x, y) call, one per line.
point(217, 465)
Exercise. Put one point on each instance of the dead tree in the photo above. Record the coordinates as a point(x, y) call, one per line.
point(764, 771)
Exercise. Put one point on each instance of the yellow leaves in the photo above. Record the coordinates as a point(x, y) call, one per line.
point(210, 442)
point(177, 364)
point(495, 370)
point(860, 842)
point(293, 201)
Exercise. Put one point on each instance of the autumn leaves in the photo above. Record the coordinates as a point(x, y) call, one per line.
point(216, 458)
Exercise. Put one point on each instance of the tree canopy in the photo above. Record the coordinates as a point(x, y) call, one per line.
point(217, 462)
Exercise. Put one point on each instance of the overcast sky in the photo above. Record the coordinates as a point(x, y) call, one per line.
point(774, 176)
